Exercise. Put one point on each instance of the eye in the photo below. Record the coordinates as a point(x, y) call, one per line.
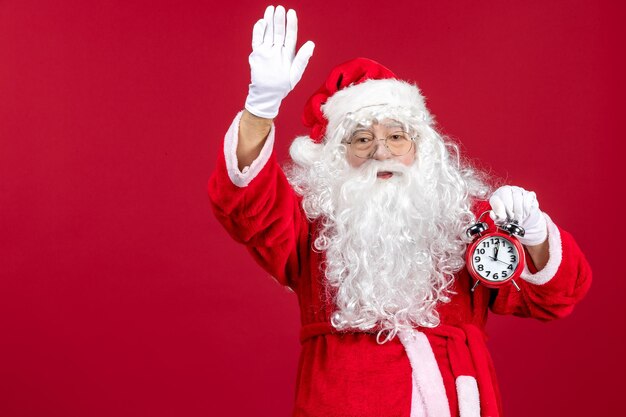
point(397, 136)
point(362, 139)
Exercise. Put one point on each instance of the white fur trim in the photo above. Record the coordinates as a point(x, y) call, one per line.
point(467, 393)
point(305, 151)
point(418, 408)
point(555, 250)
point(429, 397)
point(242, 178)
point(391, 92)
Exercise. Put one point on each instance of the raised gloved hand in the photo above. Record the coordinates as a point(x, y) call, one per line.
point(275, 67)
point(515, 203)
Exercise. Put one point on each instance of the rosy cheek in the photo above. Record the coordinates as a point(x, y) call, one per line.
point(406, 160)
point(354, 161)
point(409, 159)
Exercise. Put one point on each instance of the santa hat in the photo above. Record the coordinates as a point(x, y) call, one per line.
point(354, 85)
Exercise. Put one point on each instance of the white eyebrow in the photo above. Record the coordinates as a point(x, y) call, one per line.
point(393, 123)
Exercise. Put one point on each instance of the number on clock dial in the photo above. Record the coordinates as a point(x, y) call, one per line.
point(495, 258)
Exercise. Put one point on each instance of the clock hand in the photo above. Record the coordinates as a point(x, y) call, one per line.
point(498, 260)
point(501, 261)
point(496, 253)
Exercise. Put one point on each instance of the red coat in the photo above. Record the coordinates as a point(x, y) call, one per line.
point(349, 374)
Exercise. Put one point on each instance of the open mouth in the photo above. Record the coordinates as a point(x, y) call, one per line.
point(384, 175)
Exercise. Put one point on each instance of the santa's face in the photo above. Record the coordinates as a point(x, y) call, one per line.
point(387, 128)
point(392, 227)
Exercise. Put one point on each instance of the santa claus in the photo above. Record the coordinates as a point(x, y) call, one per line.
point(367, 226)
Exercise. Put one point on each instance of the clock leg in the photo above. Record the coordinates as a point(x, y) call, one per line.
point(515, 284)
point(475, 285)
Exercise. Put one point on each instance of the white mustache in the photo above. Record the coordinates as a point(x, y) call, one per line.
point(371, 169)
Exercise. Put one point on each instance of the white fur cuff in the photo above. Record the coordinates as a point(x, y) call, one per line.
point(242, 178)
point(556, 255)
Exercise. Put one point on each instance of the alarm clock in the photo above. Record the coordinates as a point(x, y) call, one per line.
point(495, 257)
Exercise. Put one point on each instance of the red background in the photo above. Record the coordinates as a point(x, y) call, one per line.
point(121, 295)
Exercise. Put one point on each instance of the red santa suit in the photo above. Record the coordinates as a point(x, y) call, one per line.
point(441, 371)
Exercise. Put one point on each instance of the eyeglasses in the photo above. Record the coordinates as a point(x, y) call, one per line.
point(363, 144)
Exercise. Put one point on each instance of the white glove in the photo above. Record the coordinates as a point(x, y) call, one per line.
point(274, 69)
point(515, 203)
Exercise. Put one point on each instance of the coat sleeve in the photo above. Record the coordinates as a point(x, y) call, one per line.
point(552, 292)
point(259, 208)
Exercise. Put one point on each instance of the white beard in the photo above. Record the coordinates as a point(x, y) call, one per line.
point(392, 246)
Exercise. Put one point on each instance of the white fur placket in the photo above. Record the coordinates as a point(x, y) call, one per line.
point(429, 397)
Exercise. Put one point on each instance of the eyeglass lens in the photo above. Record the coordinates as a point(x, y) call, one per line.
point(363, 144)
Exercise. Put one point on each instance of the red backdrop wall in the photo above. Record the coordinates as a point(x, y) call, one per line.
point(121, 295)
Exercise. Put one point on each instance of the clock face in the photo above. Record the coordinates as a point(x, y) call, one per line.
point(495, 258)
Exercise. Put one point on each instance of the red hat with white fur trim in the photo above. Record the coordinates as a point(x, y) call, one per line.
point(354, 85)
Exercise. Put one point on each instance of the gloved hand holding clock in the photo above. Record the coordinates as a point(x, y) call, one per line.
point(515, 203)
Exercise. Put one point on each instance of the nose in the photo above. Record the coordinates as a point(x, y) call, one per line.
point(381, 152)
